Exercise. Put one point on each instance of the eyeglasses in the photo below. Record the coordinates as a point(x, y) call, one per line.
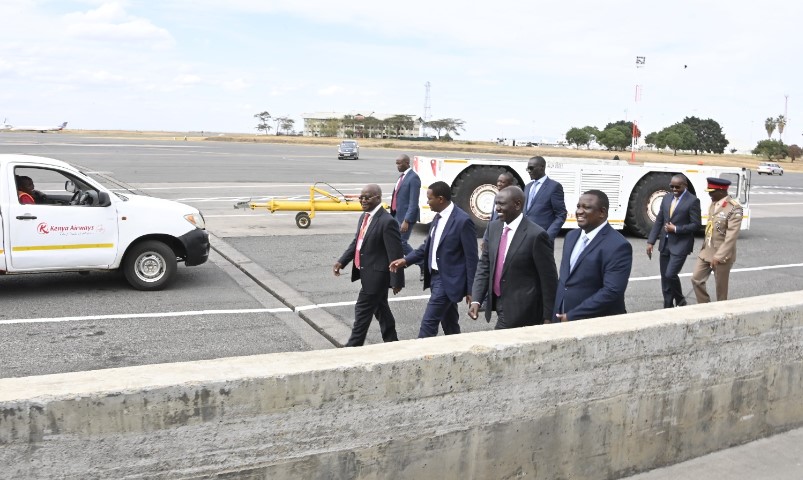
point(676, 187)
point(366, 197)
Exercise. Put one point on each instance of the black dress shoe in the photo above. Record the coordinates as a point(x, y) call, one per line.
point(682, 302)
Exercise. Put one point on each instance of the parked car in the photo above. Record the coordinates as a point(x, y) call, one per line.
point(769, 168)
point(348, 149)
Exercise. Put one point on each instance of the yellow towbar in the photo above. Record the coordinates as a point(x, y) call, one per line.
point(329, 203)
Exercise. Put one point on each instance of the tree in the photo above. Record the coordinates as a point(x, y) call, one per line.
point(593, 133)
point(769, 125)
point(772, 149)
point(627, 128)
point(399, 124)
point(263, 117)
point(781, 123)
point(708, 135)
point(677, 137)
point(794, 152)
point(578, 136)
point(449, 125)
point(652, 139)
point(614, 138)
point(287, 124)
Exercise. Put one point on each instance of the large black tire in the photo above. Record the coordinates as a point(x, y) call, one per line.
point(474, 192)
point(149, 265)
point(645, 201)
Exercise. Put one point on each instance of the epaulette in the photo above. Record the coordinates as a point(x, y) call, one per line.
point(735, 203)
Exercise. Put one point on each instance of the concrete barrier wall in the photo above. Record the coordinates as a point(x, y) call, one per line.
point(594, 399)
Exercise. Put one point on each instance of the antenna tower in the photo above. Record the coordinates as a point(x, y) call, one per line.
point(640, 62)
point(427, 110)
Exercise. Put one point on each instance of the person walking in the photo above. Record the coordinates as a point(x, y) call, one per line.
point(517, 271)
point(376, 243)
point(449, 255)
point(544, 203)
point(719, 246)
point(676, 223)
point(595, 266)
point(404, 202)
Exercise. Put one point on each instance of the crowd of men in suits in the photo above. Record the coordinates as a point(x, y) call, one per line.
point(515, 273)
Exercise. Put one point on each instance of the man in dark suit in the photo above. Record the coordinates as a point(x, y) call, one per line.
point(596, 264)
point(544, 203)
point(677, 221)
point(504, 180)
point(449, 256)
point(404, 201)
point(517, 271)
point(375, 245)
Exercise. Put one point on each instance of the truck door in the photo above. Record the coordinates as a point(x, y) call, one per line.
point(63, 229)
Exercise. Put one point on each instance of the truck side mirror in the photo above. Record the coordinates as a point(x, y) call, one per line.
point(103, 199)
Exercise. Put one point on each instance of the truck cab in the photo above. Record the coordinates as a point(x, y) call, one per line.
point(70, 222)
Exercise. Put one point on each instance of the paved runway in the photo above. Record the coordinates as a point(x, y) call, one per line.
point(65, 322)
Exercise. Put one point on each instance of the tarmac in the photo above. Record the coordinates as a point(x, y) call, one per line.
point(779, 457)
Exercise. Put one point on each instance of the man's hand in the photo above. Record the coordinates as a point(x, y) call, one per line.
point(397, 264)
point(404, 226)
point(396, 290)
point(337, 268)
point(670, 227)
point(649, 251)
point(468, 299)
point(714, 263)
point(474, 310)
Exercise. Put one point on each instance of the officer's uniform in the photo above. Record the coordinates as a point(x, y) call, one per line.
point(721, 232)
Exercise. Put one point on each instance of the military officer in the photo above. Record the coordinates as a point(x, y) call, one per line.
point(719, 248)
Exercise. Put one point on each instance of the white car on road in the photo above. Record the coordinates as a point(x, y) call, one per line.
point(769, 168)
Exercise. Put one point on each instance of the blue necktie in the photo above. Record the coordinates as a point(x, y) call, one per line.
point(576, 253)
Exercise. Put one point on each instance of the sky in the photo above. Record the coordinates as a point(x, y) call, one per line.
point(510, 69)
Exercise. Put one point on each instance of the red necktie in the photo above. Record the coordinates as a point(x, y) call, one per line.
point(395, 192)
point(359, 239)
point(500, 263)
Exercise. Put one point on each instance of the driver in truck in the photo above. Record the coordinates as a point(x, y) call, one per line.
point(26, 192)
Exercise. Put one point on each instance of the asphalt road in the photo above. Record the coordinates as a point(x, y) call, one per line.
point(53, 323)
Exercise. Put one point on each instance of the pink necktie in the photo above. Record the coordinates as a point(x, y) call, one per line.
point(359, 239)
point(500, 263)
point(395, 192)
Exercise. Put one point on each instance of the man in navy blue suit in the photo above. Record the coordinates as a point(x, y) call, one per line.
point(449, 256)
point(544, 204)
point(596, 264)
point(404, 201)
point(676, 222)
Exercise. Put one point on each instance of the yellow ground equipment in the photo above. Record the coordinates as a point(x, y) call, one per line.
point(319, 201)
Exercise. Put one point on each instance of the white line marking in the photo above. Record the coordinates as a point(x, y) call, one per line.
point(345, 304)
point(735, 270)
point(144, 315)
point(774, 204)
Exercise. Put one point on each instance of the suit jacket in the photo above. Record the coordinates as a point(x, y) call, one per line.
point(548, 210)
point(596, 287)
point(724, 225)
point(381, 244)
point(456, 253)
point(529, 275)
point(407, 198)
point(685, 217)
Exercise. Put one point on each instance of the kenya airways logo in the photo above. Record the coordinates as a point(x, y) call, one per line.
point(43, 228)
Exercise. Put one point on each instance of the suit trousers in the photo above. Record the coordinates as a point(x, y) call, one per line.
point(367, 305)
point(405, 238)
point(702, 270)
point(671, 265)
point(440, 310)
point(500, 313)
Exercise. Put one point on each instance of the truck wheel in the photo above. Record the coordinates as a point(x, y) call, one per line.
point(474, 192)
point(303, 220)
point(149, 265)
point(645, 202)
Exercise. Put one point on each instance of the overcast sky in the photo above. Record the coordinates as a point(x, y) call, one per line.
point(515, 69)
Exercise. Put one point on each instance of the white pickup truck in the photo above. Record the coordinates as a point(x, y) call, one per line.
point(69, 222)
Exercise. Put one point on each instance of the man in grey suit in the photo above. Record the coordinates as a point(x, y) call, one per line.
point(677, 221)
point(517, 271)
point(376, 243)
point(544, 203)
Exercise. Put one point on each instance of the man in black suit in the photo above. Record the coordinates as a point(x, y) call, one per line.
point(544, 203)
point(376, 244)
point(449, 256)
point(677, 221)
point(517, 271)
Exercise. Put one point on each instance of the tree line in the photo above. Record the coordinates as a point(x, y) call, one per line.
point(692, 134)
point(773, 149)
point(282, 123)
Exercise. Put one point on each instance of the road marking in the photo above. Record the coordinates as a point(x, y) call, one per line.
point(145, 315)
point(735, 270)
point(774, 204)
